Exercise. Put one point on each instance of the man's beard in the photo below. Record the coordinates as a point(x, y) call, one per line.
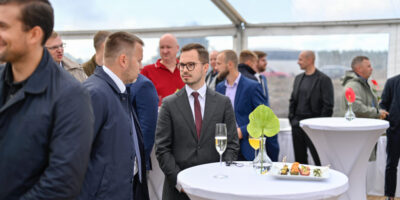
point(223, 75)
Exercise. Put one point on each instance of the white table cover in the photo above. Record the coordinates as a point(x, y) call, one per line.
point(346, 145)
point(243, 183)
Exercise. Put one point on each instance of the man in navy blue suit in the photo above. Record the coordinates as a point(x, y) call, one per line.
point(250, 66)
point(117, 165)
point(245, 95)
point(144, 99)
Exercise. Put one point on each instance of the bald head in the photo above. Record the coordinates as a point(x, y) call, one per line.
point(213, 59)
point(306, 60)
point(168, 48)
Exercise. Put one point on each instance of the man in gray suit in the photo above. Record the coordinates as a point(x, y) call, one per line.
point(186, 122)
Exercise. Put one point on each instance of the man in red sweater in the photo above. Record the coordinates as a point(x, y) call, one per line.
point(164, 74)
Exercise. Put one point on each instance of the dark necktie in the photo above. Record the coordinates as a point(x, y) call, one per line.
point(197, 113)
point(262, 83)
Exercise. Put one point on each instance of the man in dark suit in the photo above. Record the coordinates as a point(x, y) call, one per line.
point(46, 120)
point(390, 102)
point(186, 122)
point(144, 99)
point(117, 165)
point(245, 95)
point(312, 96)
point(248, 67)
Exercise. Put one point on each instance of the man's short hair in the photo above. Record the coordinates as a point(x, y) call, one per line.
point(230, 55)
point(260, 54)
point(118, 42)
point(246, 55)
point(203, 53)
point(357, 60)
point(99, 38)
point(35, 13)
point(53, 35)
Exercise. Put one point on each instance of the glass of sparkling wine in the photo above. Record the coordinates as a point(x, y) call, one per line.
point(220, 144)
point(255, 144)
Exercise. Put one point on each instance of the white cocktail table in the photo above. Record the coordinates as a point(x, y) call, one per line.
point(346, 146)
point(243, 183)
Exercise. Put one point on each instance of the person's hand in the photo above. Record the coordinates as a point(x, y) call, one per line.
point(383, 114)
point(240, 136)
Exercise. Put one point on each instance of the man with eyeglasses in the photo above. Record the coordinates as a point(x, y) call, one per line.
point(56, 48)
point(186, 123)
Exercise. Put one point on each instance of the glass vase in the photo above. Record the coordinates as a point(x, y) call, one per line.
point(262, 163)
point(349, 114)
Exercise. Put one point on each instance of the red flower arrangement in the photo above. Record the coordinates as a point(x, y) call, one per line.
point(350, 95)
point(374, 82)
point(375, 88)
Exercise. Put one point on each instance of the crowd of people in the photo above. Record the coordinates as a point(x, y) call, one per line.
point(86, 132)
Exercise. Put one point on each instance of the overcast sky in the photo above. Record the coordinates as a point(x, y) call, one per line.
point(105, 14)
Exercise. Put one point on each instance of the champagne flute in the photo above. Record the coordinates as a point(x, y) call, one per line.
point(220, 144)
point(255, 144)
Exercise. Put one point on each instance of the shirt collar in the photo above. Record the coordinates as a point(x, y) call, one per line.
point(159, 64)
point(235, 83)
point(362, 78)
point(201, 91)
point(8, 76)
point(115, 78)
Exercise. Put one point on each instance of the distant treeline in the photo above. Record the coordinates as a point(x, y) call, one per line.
point(343, 58)
point(378, 58)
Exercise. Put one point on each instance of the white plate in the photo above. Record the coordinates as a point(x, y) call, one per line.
point(277, 166)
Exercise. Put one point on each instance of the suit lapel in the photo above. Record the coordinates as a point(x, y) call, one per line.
point(239, 90)
point(184, 107)
point(296, 86)
point(210, 107)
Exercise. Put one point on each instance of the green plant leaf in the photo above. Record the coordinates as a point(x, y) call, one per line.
point(263, 121)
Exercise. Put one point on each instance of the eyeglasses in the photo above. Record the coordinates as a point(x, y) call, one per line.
point(189, 66)
point(52, 48)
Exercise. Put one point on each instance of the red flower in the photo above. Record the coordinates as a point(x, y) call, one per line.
point(374, 82)
point(350, 95)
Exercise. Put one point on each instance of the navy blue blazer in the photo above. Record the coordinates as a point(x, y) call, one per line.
point(248, 72)
point(248, 97)
point(144, 99)
point(110, 172)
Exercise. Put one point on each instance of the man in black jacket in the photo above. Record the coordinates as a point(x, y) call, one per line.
point(312, 96)
point(46, 120)
point(390, 102)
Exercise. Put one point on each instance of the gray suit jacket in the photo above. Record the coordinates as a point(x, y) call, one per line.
point(177, 146)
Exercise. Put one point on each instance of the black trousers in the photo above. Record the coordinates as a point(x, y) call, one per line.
point(300, 144)
point(393, 155)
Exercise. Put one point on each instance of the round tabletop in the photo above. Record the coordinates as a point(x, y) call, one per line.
point(341, 124)
point(243, 183)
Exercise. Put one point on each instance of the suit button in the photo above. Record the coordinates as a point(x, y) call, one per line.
point(198, 147)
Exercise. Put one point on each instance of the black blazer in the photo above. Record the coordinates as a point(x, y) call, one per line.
point(321, 97)
point(390, 102)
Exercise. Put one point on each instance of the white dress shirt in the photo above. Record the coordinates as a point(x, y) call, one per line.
point(121, 86)
point(202, 98)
